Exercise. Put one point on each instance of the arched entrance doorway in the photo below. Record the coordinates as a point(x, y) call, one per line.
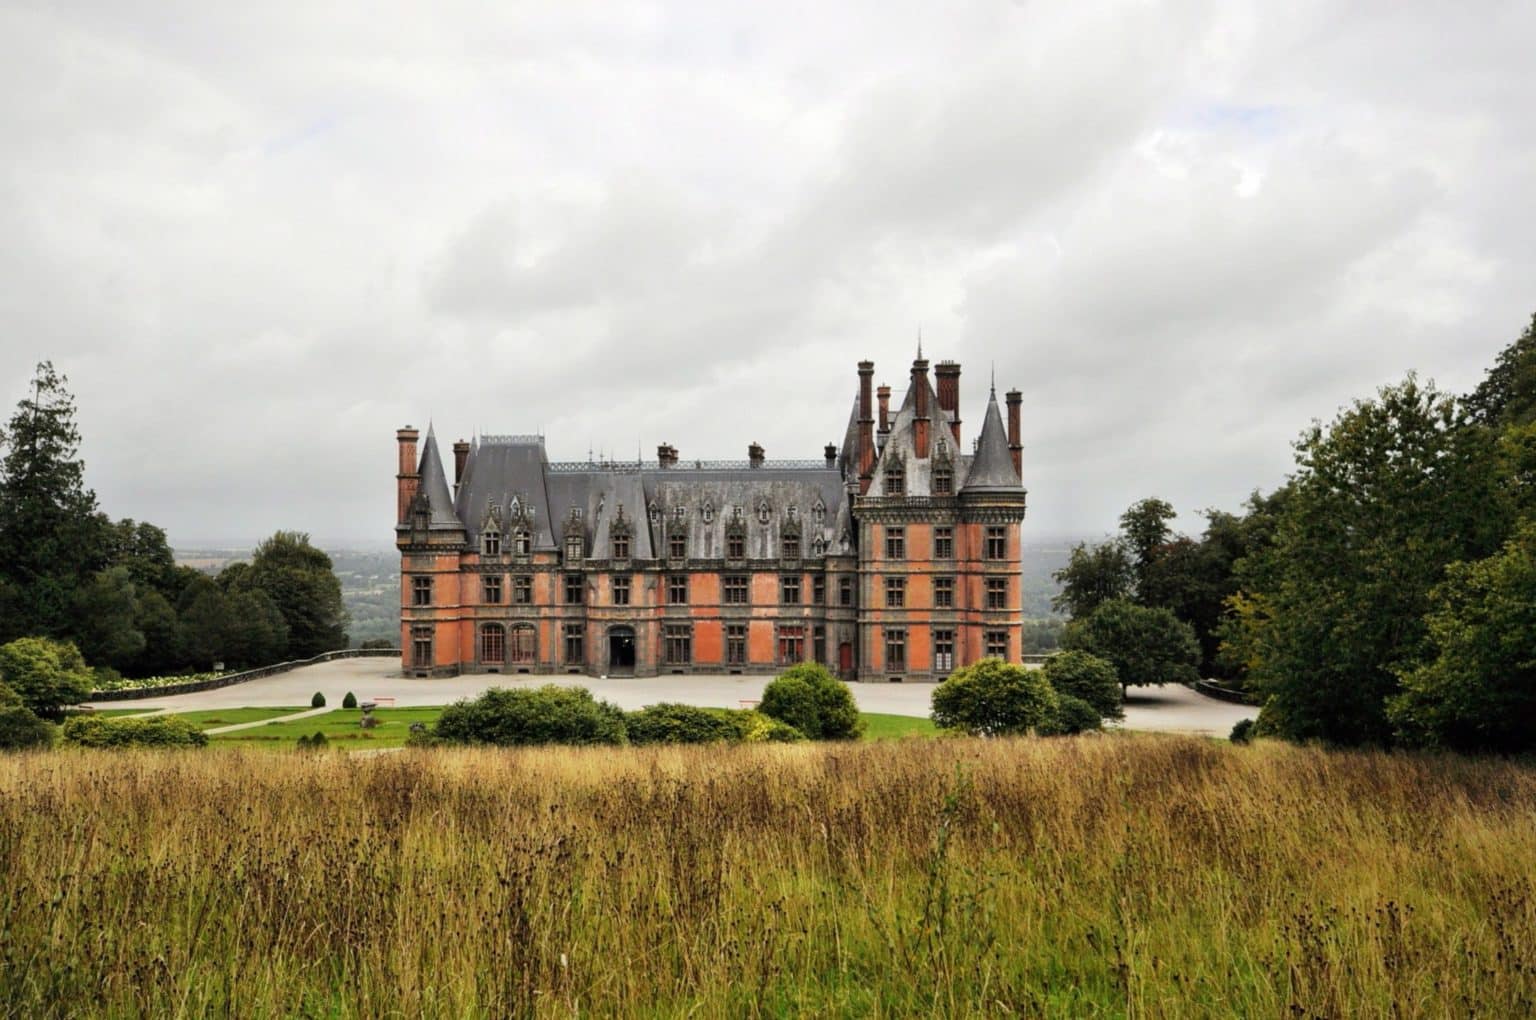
point(621, 651)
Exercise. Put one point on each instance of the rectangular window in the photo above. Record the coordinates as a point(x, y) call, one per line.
point(492, 586)
point(677, 589)
point(574, 546)
point(621, 547)
point(789, 589)
point(678, 644)
point(493, 644)
point(734, 590)
point(677, 547)
point(943, 593)
point(791, 547)
point(736, 644)
point(520, 645)
point(621, 591)
point(943, 543)
point(895, 480)
point(421, 591)
point(895, 543)
point(895, 650)
point(522, 543)
point(997, 593)
point(791, 644)
point(895, 592)
point(845, 591)
point(573, 588)
point(736, 546)
point(575, 650)
point(943, 481)
point(818, 590)
point(522, 591)
point(421, 647)
point(997, 644)
point(943, 651)
point(997, 543)
point(819, 644)
point(492, 543)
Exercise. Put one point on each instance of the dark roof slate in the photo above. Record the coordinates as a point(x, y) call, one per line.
point(992, 465)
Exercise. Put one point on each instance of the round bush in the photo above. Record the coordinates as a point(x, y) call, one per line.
point(546, 715)
point(1073, 716)
point(350, 701)
point(1089, 678)
point(669, 723)
point(152, 731)
point(994, 697)
point(814, 702)
point(318, 701)
point(22, 730)
point(757, 728)
point(1242, 731)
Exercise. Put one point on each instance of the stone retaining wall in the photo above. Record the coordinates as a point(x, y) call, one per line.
point(230, 679)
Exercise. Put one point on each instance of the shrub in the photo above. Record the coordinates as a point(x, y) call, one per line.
point(8, 697)
point(421, 735)
point(149, 731)
point(350, 701)
point(669, 723)
point(317, 742)
point(22, 730)
point(318, 701)
point(992, 697)
point(1073, 716)
point(814, 702)
point(1089, 678)
point(546, 715)
point(48, 675)
point(1242, 731)
point(378, 642)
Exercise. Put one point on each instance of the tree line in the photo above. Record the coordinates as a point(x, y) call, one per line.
point(1384, 595)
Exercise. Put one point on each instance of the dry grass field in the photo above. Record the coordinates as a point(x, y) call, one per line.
point(1111, 876)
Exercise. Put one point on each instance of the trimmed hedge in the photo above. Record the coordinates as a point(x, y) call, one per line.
point(544, 715)
point(150, 731)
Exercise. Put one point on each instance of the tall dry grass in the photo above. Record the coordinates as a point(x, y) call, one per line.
point(1092, 877)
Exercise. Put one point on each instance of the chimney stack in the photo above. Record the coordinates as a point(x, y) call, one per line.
point(831, 454)
point(884, 395)
point(866, 426)
point(1015, 447)
point(948, 375)
point(920, 420)
point(460, 456)
point(666, 455)
point(407, 479)
point(755, 455)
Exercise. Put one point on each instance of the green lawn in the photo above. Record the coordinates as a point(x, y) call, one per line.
point(210, 717)
point(108, 712)
point(878, 726)
point(339, 726)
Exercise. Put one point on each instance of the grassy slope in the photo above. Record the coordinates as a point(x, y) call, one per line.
point(1104, 876)
point(210, 717)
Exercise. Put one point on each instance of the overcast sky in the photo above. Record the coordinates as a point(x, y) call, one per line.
point(260, 237)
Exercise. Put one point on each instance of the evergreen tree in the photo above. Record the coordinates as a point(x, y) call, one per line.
point(301, 583)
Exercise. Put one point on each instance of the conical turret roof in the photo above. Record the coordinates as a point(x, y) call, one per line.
point(434, 484)
point(992, 466)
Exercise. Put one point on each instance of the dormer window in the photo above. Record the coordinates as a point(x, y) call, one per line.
point(655, 513)
point(621, 547)
point(818, 511)
point(708, 512)
point(522, 542)
point(574, 547)
point(943, 480)
point(490, 543)
point(763, 512)
point(791, 547)
point(895, 479)
point(677, 545)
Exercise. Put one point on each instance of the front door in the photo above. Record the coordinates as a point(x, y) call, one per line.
point(845, 658)
point(621, 651)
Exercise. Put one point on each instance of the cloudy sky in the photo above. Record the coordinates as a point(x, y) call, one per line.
point(260, 237)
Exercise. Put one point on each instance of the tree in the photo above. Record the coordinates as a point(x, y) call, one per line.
point(299, 580)
point(106, 619)
point(1477, 690)
point(992, 697)
point(1507, 395)
point(1093, 574)
point(143, 550)
point(48, 675)
point(206, 623)
point(813, 701)
point(1145, 527)
point(1333, 607)
point(1089, 678)
point(257, 633)
point(163, 652)
point(1145, 645)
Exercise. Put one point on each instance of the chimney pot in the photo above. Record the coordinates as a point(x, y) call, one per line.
point(884, 395)
point(948, 375)
point(831, 454)
point(755, 455)
point(1015, 445)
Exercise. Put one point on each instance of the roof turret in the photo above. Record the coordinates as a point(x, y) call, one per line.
point(992, 466)
point(434, 486)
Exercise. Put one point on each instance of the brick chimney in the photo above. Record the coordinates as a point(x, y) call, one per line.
point(1015, 447)
point(755, 455)
point(883, 393)
point(460, 456)
point(947, 373)
point(666, 455)
point(866, 425)
point(920, 419)
point(831, 454)
point(407, 479)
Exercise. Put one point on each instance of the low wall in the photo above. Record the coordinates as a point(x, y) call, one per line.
point(230, 679)
point(1221, 693)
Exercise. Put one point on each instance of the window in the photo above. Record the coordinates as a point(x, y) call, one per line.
point(944, 543)
point(735, 590)
point(522, 542)
point(621, 591)
point(736, 644)
point(421, 646)
point(997, 593)
point(895, 479)
point(575, 651)
point(522, 591)
point(791, 547)
point(573, 549)
point(573, 590)
point(791, 644)
point(895, 543)
point(895, 592)
point(736, 545)
point(677, 644)
point(492, 586)
point(943, 480)
point(845, 591)
point(818, 590)
point(490, 543)
point(621, 547)
point(421, 591)
point(677, 546)
point(943, 593)
point(520, 646)
point(997, 644)
point(943, 651)
point(997, 543)
point(789, 589)
point(895, 650)
point(677, 589)
point(819, 644)
point(493, 644)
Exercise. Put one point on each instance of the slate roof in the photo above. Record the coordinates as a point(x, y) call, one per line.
point(434, 485)
point(992, 465)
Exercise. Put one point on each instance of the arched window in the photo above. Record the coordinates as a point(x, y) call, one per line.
point(493, 646)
